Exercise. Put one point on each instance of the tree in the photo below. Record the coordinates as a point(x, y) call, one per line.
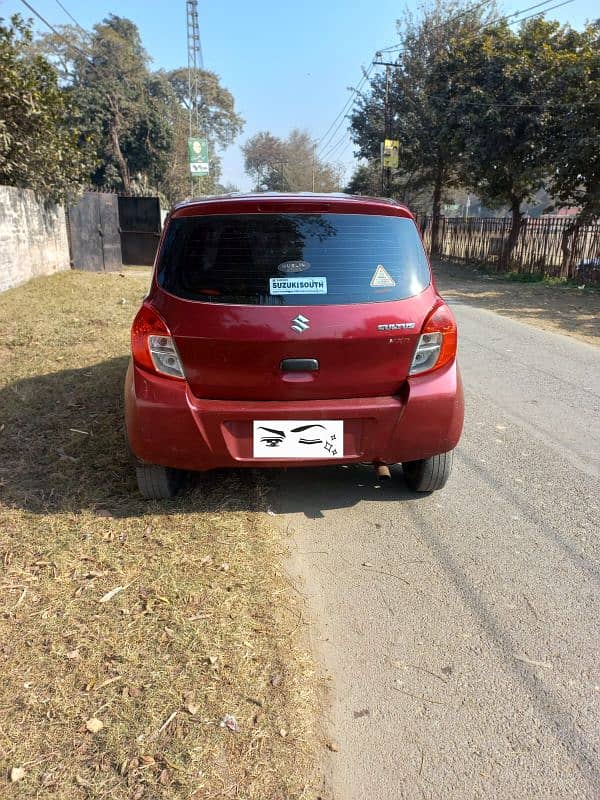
point(139, 116)
point(226, 188)
point(216, 106)
point(218, 121)
point(409, 188)
point(38, 148)
point(264, 155)
point(573, 130)
point(366, 179)
point(304, 170)
point(501, 93)
point(419, 97)
point(107, 77)
point(288, 164)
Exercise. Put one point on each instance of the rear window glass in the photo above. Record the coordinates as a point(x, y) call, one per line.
point(292, 259)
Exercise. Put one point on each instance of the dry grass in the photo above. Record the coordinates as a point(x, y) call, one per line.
point(204, 624)
point(558, 308)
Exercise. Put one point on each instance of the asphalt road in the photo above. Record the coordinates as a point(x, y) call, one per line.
point(462, 629)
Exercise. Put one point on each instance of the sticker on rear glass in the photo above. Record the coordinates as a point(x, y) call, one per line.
point(289, 267)
point(381, 277)
point(298, 285)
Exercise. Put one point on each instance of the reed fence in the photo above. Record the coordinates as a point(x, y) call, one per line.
point(552, 246)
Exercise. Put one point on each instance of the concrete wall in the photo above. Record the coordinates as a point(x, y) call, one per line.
point(33, 237)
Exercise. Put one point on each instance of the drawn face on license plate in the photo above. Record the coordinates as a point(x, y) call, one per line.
point(298, 439)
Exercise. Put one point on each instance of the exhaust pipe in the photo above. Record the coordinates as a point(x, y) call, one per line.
point(383, 472)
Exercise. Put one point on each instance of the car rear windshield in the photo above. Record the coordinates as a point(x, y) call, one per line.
point(292, 259)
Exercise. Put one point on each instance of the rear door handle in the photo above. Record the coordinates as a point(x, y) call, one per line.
point(299, 365)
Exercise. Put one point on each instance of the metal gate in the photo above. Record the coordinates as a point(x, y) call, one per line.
point(139, 223)
point(93, 228)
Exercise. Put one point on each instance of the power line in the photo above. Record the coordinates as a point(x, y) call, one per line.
point(443, 24)
point(72, 18)
point(327, 138)
point(60, 36)
point(551, 8)
point(321, 142)
point(333, 147)
point(341, 115)
point(69, 44)
point(481, 62)
point(495, 22)
point(402, 49)
point(337, 155)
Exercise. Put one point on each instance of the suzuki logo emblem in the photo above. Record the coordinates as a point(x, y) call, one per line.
point(300, 324)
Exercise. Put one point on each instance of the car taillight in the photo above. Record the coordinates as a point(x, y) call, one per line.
point(437, 343)
point(152, 345)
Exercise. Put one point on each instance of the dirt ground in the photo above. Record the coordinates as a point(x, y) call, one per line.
point(562, 309)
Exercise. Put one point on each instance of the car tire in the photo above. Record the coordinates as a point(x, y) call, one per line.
point(428, 474)
point(158, 483)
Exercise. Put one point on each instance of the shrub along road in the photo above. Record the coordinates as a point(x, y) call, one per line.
point(461, 628)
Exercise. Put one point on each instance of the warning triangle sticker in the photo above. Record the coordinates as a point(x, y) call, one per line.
point(381, 277)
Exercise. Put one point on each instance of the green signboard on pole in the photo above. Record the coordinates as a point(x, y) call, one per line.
point(198, 156)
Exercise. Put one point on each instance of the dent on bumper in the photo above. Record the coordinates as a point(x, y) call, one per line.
point(168, 425)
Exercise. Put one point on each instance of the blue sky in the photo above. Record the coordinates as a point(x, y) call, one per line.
point(287, 64)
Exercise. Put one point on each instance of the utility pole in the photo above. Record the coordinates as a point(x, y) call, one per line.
point(195, 63)
point(385, 171)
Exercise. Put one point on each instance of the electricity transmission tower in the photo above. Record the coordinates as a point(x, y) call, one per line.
point(195, 63)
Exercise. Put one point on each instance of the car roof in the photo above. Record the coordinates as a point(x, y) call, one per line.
point(252, 202)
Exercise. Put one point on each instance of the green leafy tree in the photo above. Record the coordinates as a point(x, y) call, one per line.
point(573, 130)
point(410, 188)
point(140, 117)
point(502, 94)
point(366, 179)
point(288, 164)
point(218, 121)
point(108, 81)
point(420, 101)
point(39, 149)
point(216, 105)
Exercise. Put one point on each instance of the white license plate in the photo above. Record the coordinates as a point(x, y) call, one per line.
point(298, 438)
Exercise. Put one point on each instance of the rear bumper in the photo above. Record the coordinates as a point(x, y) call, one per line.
point(168, 425)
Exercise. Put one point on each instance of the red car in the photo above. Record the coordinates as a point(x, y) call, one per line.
point(292, 330)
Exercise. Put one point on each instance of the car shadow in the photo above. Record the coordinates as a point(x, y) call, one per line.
point(62, 448)
point(313, 491)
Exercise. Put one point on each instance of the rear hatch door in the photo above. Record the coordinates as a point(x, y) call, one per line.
point(294, 306)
